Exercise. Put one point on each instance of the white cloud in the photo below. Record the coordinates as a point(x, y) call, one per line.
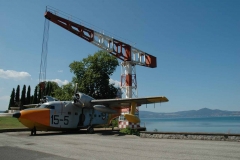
point(60, 82)
point(4, 98)
point(10, 74)
point(115, 82)
point(60, 71)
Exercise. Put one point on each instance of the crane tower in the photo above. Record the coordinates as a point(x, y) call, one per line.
point(129, 55)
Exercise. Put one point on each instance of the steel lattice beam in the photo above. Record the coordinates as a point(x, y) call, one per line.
point(115, 47)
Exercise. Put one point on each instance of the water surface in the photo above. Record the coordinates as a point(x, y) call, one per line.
point(206, 124)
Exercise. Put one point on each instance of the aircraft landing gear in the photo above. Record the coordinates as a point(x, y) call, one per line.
point(90, 130)
point(33, 131)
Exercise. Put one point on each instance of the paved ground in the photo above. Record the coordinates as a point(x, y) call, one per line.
point(102, 145)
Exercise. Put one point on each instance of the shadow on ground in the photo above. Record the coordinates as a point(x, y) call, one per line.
point(99, 132)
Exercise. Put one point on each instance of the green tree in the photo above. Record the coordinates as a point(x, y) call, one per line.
point(28, 100)
point(93, 73)
point(52, 86)
point(47, 91)
point(35, 98)
point(31, 100)
point(65, 92)
point(17, 96)
point(11, 102)
point(23, 97)
point(39, 95)
point(41, 90)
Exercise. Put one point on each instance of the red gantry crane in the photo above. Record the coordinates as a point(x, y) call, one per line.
point(129, 55)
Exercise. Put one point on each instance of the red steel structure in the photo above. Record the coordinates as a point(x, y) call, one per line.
point(121, 50)
point(129, 55)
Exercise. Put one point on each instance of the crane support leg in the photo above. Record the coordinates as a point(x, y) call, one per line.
point(128, 79)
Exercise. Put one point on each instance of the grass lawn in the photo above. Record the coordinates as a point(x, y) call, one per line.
point(10, 122)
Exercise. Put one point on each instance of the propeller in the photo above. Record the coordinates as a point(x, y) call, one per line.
point(76, 98)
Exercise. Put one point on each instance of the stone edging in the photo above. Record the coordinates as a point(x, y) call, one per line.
point(191, 136)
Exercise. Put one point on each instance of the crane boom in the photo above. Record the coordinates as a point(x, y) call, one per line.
point(119, 49)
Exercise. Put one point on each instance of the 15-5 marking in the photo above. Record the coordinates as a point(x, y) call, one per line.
point(55, 119)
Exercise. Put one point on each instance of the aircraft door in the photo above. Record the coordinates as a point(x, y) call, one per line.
point(85, 117)
point(81, 119)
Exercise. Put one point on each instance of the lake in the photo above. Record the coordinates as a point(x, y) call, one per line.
point(206, 124)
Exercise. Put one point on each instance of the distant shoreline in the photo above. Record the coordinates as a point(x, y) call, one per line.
point(187, 117)
point(204, 112)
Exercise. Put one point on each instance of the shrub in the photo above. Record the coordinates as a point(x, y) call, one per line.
point(130, 131)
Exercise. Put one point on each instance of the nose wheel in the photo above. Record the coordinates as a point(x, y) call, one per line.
point(33, 131)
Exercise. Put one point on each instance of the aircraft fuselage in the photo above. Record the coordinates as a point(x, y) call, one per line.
point(61, 115)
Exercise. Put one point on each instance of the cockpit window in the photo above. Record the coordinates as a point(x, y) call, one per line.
point(47, 106)
point(51, 107)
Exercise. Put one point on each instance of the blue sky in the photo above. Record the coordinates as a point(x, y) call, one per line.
point(197, 45)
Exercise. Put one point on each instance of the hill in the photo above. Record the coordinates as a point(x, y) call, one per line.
point(204, 112)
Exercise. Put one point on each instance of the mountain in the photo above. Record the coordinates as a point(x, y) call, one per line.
point(204, 112)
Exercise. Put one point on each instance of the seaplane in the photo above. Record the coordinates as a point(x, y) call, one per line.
point(83, 112)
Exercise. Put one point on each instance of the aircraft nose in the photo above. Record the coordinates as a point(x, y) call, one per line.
point(17, 115)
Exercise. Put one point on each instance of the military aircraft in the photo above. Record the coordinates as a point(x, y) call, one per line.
point(82, 112)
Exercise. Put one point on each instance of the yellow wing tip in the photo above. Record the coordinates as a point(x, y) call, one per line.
point(158, 99)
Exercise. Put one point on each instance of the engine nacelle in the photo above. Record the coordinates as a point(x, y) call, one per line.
point(82, 100)
point(104, 109)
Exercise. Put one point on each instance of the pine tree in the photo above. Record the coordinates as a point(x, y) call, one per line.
point(12, 97)
point(23, 97)
point(28, 100)
point(39, 94)
point(17, 96)
point(35, 98)
point(31, 100)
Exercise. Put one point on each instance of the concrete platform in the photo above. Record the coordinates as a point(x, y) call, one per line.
point(58, 145)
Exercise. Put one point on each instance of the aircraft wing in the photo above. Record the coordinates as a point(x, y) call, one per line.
point(31, 105)
point(126, 103)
